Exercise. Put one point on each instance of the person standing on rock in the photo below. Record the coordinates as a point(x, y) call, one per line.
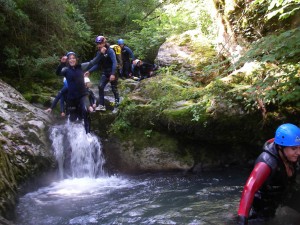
point(105, 60)
point(272, 180)
point(127, 56)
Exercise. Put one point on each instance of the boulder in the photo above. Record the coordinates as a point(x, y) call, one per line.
point(25, 150)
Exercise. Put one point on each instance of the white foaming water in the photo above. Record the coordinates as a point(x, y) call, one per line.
point(78, 154)
point(78, 188)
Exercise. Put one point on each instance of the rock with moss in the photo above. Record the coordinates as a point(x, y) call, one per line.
point(25, 149)
point(146, 151)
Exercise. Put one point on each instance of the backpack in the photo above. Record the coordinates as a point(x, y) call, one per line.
point(117, 49)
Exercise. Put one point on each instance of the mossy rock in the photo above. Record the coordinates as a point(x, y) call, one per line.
point(146, 150)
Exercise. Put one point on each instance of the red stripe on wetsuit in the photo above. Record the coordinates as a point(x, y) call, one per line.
point(258, 176)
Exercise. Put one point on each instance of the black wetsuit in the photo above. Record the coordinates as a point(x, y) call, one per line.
point(267, 187)
point(108, 64)
point(144, 71)
point(274, 190)
point(77, 98)
point(127, 54)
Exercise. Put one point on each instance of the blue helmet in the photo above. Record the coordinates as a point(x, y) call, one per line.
point(71, 53)
point(120, 42)
point(100, 39)
point(287, 135)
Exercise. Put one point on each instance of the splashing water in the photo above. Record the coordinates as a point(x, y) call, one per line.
point(78, 154)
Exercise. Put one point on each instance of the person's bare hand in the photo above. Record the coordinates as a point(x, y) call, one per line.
point(103, 50)
point(86, 74)
point(63, 59)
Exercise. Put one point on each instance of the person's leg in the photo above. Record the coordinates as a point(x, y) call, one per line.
point(66, 103)
point(114, 88)
point(64, 92)
point(84, 105)
point(57, 98)
point(72, 110)
point(104, 80)
point(126, 69)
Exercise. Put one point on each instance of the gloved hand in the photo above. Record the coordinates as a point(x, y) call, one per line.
point(242, 220)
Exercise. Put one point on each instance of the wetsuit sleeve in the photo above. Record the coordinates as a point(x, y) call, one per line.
point(113, 58)
point(92, 65)
point(59, 69)
point(258, 176)
point(94, 68)
point(131, 55)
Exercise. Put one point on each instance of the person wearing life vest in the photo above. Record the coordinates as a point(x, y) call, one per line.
point(127, 57)
point(143, 69)
point(105, 60)
point(272, 177)
point(77, 98)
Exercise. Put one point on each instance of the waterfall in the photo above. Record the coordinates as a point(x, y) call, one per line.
point(78, 154)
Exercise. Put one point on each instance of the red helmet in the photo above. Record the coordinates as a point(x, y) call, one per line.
point(100, 39)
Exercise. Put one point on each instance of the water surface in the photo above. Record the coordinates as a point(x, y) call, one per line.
point(86, 195)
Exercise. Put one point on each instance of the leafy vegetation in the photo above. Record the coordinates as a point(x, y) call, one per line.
point(36, 33)
point(282, 9)
point(265, 80)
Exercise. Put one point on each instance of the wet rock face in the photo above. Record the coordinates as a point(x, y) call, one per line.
point(21, 123)
point(160, 152)
point(24, 145)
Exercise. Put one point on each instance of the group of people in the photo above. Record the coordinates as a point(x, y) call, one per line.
point(130, 67)
point(114, 61)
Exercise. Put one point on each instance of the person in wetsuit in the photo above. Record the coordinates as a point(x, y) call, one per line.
point(273, 177)
point(61, 96)
point(142, 69)
point(105, 60)
point(127, 57)
point(77, 97)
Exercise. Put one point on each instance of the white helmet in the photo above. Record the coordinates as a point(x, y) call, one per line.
point(135, 62)
point(87, 80)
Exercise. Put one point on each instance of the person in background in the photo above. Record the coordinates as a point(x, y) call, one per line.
point(92, 97)
point(105, 60)
point(142, 69)
point(77, 98)
point(62, 97)
point(127, 57)
point(273, 178)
